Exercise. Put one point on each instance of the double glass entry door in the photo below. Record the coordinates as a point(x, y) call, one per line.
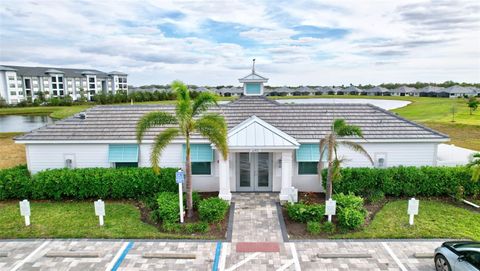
point(254, 171)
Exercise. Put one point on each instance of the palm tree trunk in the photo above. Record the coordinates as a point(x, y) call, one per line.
point(331, 143)
point(188, 173)
point(320, 163)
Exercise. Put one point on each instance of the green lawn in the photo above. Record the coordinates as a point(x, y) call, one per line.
point(57, 112)
point(435, 220)
point(76, 220)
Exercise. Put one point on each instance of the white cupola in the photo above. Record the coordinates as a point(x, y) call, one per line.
point(253, 83)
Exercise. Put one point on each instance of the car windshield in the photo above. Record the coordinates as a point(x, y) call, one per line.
point(467, 245)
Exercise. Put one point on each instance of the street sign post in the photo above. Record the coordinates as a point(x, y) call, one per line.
point(25, 211)
point(180, 178)
point(330, 208)
point(413, 205)
point(100, 210)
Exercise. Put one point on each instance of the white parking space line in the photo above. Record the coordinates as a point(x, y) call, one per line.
point(295, 256)
point(30, 256)
point(285, 266)
point(242, 262)
point(117, 256)
point(395, 258)
point(223, 256)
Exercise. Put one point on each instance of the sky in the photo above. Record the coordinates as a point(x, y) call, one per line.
point(213, 42)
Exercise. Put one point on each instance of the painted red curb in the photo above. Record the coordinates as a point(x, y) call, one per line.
point(258, 247)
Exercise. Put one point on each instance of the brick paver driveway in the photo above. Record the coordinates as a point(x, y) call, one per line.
point(257, 244)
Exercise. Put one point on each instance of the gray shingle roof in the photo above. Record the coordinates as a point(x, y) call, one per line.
point(302, 121)
point(42, 71)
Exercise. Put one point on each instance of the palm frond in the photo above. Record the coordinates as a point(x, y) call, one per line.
point(202, 102)
point(161, 141)
point(341, 129)
point(153, 119)
point(214, 127)
point(184, 104)
point(358, 148)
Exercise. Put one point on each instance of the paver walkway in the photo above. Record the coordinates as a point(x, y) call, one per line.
point(256, 218)
point(256, 226)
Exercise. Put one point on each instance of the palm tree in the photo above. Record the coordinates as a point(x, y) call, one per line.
point(188, 119)
point(475, 166)
point(330, 144)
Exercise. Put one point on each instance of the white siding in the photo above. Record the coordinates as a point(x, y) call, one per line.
point(45, 156)
point(172, 157)
point(397, 154)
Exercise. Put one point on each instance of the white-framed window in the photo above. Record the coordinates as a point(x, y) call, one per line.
point(57, 85)
point(380, 160)
point(11, 78)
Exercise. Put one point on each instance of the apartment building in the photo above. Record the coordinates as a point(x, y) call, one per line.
point(19, 83)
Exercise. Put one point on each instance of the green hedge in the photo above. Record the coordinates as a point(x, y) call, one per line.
point(301, 212)
point(405, 181)
point(85, 183)
point(212, 209)
point(15, 182)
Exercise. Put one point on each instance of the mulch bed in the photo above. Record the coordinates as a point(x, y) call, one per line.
point(217, 230)
point(298, 230)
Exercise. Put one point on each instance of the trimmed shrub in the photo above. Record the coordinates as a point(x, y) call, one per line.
point(15, 183)
point(406, 181)
point(350, 211)
point(348, 201)
point(351, 218)
point(301, 212)
point(168, 209)
point(85, 183)
point(313, 227)
point(212, 209)
point(376, 196)
point(199, 227)
point(171, 227)
point(328, 227)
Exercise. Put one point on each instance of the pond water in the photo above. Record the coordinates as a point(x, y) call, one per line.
point(385, 104)
point(23, 123)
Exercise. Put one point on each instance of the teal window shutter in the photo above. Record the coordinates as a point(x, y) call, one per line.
point(198, 153)
point(309, 153)
point(253, 88)
point(123, 153)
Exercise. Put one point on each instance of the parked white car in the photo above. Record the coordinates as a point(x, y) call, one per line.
point(458, 256)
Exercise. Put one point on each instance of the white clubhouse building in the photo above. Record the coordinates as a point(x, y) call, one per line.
point(273, 147)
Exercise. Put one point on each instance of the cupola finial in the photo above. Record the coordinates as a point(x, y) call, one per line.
point(253, 66)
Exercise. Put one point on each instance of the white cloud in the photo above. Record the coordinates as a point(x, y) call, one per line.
point(385, 41)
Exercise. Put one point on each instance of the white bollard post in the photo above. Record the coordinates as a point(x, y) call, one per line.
point(179, 178)
point(25, 211)
point(180, 201)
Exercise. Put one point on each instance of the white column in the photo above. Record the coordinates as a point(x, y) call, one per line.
point(224, 178)
point(287, 166)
